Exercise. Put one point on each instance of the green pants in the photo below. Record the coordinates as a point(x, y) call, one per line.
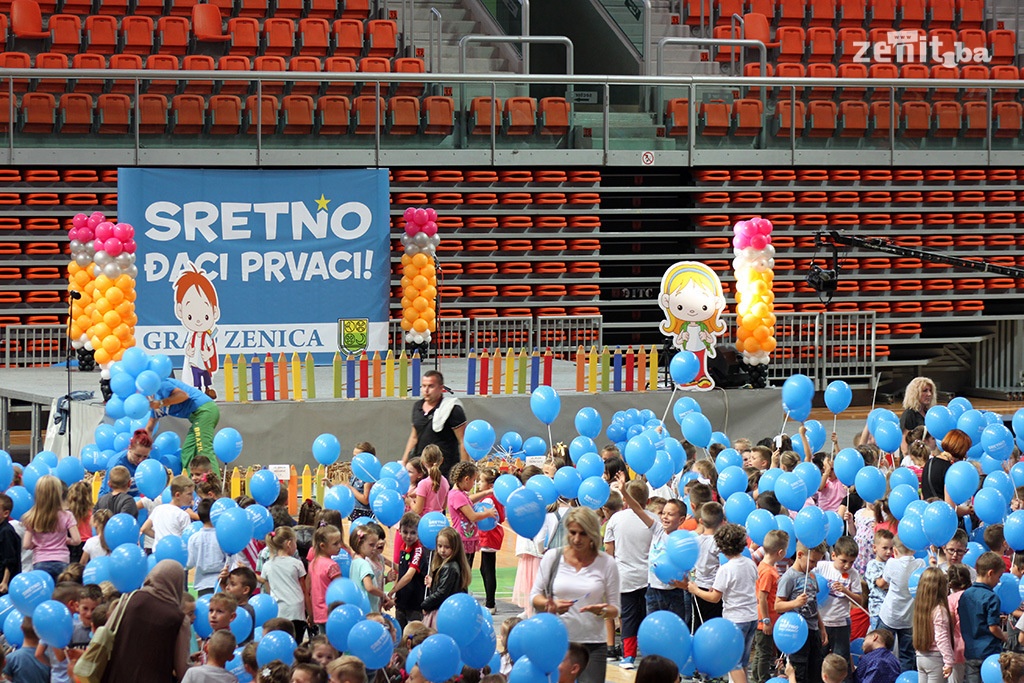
point(199, 440)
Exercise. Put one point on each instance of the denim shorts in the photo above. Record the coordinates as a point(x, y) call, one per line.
point(748, 629)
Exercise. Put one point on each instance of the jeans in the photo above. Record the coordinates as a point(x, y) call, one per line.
point(764, 657)
point(839, 642)
point(670, 600)
point(597, 667)
point(633, 612)
point(748, 629)
point(489, 575)
point(904, 646)
point(52, 568)
point(929, 667)
point(972, 670)
point(807, 660)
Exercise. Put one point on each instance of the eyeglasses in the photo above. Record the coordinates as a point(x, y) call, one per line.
point(955, 551)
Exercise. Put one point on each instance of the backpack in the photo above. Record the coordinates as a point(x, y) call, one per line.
point(559, 535)
point(90, 666)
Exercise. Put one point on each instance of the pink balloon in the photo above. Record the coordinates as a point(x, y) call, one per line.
point(739, 242)
point(86, 234)
point(129, 246)
point(73, 234)
point(411, 228)
point(739, 226)
point(93, 221)
point(430, 228)
point(420, 217)
point(764, 226)
point(758, 242)
point(124, 231)
point(113, 246)
point(431, 215)
point(409, 213)
point(104, 231)
point(80, 220)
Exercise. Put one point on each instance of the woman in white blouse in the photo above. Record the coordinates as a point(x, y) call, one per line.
point(580, 583)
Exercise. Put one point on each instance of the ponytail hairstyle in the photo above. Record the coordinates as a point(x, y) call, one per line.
point(99, 520)
point(322, 536)
point(489, 474)
point(209, 485)
point(460, 470)
point(278, 539)
point(421, 469)
point(432, 459)
point(79, 500)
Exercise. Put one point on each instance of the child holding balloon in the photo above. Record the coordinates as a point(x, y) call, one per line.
point(363, 541)
point(798, 592)
point(285, 577)
point(449, 573)
point(322, 570)
point(460, 507)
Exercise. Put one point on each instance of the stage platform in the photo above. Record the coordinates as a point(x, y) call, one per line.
point(282, 432)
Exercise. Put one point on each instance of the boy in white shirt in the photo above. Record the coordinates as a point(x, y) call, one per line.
point(843, 589)
point(627, 538)
point(171, 519)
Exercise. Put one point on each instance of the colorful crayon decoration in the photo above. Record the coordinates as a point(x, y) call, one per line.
point(293, 492)
point(641, 369)
point(307, 483)
point(652, 371)
point(403, 377)
point(605, 368)
point(549, 361)
point(268, 370)
point(389, 374)
point(416, 371)
point(229, 379)
point(522, 372)
point(471, 373)
point(485, 362)
point(364, 375)
point(581, 369)
point(510, 364)
point(236, 482)
point(350, 375)
point(311, 376)
point(496, 385)
point(282, 377)
point(592, 370)
point(534, 370)
point(630, 360)
point(297, 376)
point(243, 380)
point(257, 387)
point(617, 370)
point(336, 366)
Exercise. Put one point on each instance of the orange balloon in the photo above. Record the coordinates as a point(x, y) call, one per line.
point(73, 268)
point(406, 259)
point(101, 329)
point(125, 282)
point(406, 325)
point(82, 278)
point(430, 292)
point(89, 287)
point(420, 260)
point(761, 333)
point(101, 356)
point(769, 344)
point(742, 334)
point(131, 319)
point(420, 325)
point(104, 306)
point(96, 317)
point(103, 283)
point(111, 343)
point(83, 322)
point(130, 294)
point(428, 315)
point(115, 296)
point(420, 282)
point(751, 345)
point(420, 303)
point(111, 319)
point(410, 314)
point(427, 270)
point(122, 331)
point(124, 308)
point(75, 331)
point(750, 322)
point(410, 270)
point(760, 310)
point(406, 302)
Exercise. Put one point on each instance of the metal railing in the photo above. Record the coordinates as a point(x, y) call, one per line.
point(27, 346)
point(999, 359)
point(456, 337)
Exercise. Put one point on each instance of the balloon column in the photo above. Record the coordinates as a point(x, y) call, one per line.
point(755, 258)
point(103, 271)
point(419, 278)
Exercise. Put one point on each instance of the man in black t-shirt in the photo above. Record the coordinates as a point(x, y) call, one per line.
point(437, 419)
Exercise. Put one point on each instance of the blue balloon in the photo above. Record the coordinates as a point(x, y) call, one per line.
point(991, 670)
point(151, 478)
point(326, 449)
point(791, 491)
point(675, 450)
point(372, 643)
point(1000, 480)
point(990, 505)
point(366, 466)
point(388, 507)
point(395, 470)
point(487, 523)
point(262, 522)
point(640, 453)
point(758, 524)
point(790, 632)
point(264, 487)
point(345, 591)
point(815, 435)
point(682, 548)
point(662, 471)
point(616, 431)
point(344, 562)
point(114, 407)
point(202, 622)
point(478, 652)
point(29, 589)
point(97, 571)
point(545, 638)
point(340, 498)
point(1013, 531)
point(227, 444)
point(545, 404)
point(161, 365)
point(525, 511)
point(590, 465)
point(525, 671)
point(961, 482)
point(504, 485)
point(171, 547)
point(728, 457)
point(264, 607)
point(12, 628)
point(128, 567)
point(122, 385)
point(581, 445)
point(511, 442)
point(234, 530)
point(836, 527)
point(665, 634)
point(888, 436)
point(567, 481)
point(900, 497)
point(785, 523)
point(588, 422)
point(997, 441)
point(798, 413)
point(479, 434)
point(870, 484)
point(810, 474)
point(134, 360)
point(972, 422)
point(768, 480)
point(21, 499)
point(535, 446)
point(720, 437)
point(717, 647)
point(665, 569)
point(136, 406)
point(241, 626)
point(903, 476)
point(459, 617)
point(848, 463)
point(940, 522)
point(593, 493)
point(683, 406)
point(684, 367)
point(732, 480)
point(339, 624)
point(147, 382)
point(121, 529)
point(880, 415)
point(911, 532)
point(429, 526)
point(938, 421)
point(70, 470)
point(281, 645)
point(31, 475)
point(990, 465)
point(697, 429)
point(838, 396)
point(797, 390)
point(47, 457)
point(1008, 592)
point(543, 485)
point(810, 526)
point(104, 436)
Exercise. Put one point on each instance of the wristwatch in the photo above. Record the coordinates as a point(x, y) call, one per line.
point(766, 620)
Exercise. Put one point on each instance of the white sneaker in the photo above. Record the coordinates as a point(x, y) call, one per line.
point(627, 663)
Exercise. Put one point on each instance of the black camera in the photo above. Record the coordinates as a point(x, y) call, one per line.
point(823, 280)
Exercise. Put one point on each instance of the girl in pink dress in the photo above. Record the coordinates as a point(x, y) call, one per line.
point(431, 492)
point(460, 507)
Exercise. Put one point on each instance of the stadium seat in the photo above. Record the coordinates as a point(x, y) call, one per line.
point(161, 63)
point(970, 13)
point(850, 43)
point(882, 118)
point(438, 115)
point(291, 9)
point(792, 41)
point(791, 12)
point(821, 71)
point(726, 54)
point(27, 21)
point(270, 63)
point(188, 114)
point(1002, 47)
point(757, 27)
point(44, 60)
point(234, 63)
point(748, 117)
point(821, 13)
point(853, 119)
point(181, 8)
point(332, 115)
point(765, 8)
point(305, 64)
point(65, 33)
point(125, 61)
point(403, 115)
point(553, 116)
point(483, 112)
point(949, 73)
point(198, 63)
point(257, 9)
point(297, 115)
point(367, 114)
point(348, 38)
point(87, 60)
point(714, 118)
point(786, 72)
point(410, 65)
point(882, 13)
point(915, 119)
point(356, 9)
point(208, 25)
point(339, 65)
point(113, 114)
point(786, 122)
point(941, 13)
point(693, 10)
point(279, 37)
point(909, 71)
point(1006, 120)
point(245, 36)
point(148, 8)
point(263, 119)
point(947, 119)
point(821, 119)
point(1004, 72)
point(851, 13)
point(38, 112)
point(137, 35)
point(520, 116)
point(911, 13)
point(225, 115)
point(228, 8)
point(381, 38)
point(821, 44)
point(101, 34)
point(314, 37)
point(973, 39)
point(724, 9)
point(888, 71)
point(172, 35)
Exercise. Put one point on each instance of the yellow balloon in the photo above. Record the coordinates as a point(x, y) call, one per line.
point(768, 344)
point(112, 319)
point(410, 314)
point(125, 282)
point(420, 282)
point(111, 343)
point(130, 294)
point(101, 330)
point(430, 292)
point(124, 308)
point(104, 306)
point(420, 260)
point(428, 315)
point(427, 271)
point(75, 331)
point(420, 304)
point(122, 331)
point(101, 356)
point(115, 296)
point(411, 292)
point(410, 270)
point(406, 325)
point(103, 283)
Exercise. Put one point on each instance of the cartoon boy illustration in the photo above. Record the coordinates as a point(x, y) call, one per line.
point(693, 301)
point(196, 307)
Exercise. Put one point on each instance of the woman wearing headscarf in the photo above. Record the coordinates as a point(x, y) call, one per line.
point(153, 639)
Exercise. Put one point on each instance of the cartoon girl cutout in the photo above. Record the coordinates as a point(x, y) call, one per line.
point(196, 307)
point(692, 300)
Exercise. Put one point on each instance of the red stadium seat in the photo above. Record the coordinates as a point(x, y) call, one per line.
point(851, 13)
point(270, 63)
point(340, 65)
point(234, 63)
point(853, 119)
point(297, 115)
point(410, 65)
point(356, 9)
point(852, 41)
point(789, 119)
point(970, 13)
point(332, 115)
point(821, 44)
point(314, 37)
point(748, 117)
point(757, 27)
point(821, 118)
point(714, 119)
point(974, 72)
point(257, 9)
point(260, 114)
point(791, 12)
point(188, 114)
point(1006, 120)
point(403, 115)
point(483, 111)
point(882, 13)
point(137, 35)
point(821, 13)
point(915, 119)
point(911, 13)
point(941, 13)
point(305, 64)
point(882, 121)
point(45, 60)
point(27, 20)
point(791, 43)
point(821, 71)
point(914, 71)
point(125, 61)
point(87, 60)
point(38, 112)
point(438, 115)
point(101, 34)
point(1002, 46)
point(947, 118)
point(348, 38)
point(940, 71)
point(245, 36)
point(198, 63)
point(292, 9)
point(65, 33)
point(520, 116)
point(225, 115)
point(172, 34)
point(161, 63)
point(381, 38)
point(208, 24)
point(320, 9)
point(367, 114)
point(677, 117)
point(279, 37)
point(152, 114)
point(113, 114)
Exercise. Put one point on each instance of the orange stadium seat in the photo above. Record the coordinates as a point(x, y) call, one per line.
point(948, 118)
point(381, 38)
point(304, 64)
point(553, 116)
point(198, 63)
point(137, 35)
point(314, 37)
point(332, 115)
point(18, 60)
point(208, 25)
point(438, 115)
point(757, 27)
point(940, 71)
point(27, 20)
point(172, 35)
point(483, 113)
point(124, 61)
point(520, 116)
point(234, 63)
point(403, 115)
point(911, 13)
point(47, 60)
point(87, 60)
point(882, 13)
point(101, 34)
point(356, 9)
point(161, 63)
point(789, 119)
point(821, 121)
point(1006, 119)
point(821, 71)
point(785, 72)
point(970, 13)
point(278, 37)
point(748, 116)
point(851, 13)
point(919, 71)
point(270, 63)
point(339, 65)
point(245, 36)
point(1004, 72)
point(411, 65)
point(1002, 46)
point(260, 114)
point(791, 12)
point(714, 118)
point(821, 13)
point(293, 9)
point(113, 114)
point(181, 8)
point(225, 115)
point(257, 9)
point(188, 114)
point(367, 114)
point(65, 33)
point(821, 44)
point(850, 41)
point(38, 112)
point(348, 38)
point(792, 42)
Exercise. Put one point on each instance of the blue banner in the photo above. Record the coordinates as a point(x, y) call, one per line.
point(255, 262)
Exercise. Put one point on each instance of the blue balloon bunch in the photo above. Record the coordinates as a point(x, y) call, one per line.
point(797, 395)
